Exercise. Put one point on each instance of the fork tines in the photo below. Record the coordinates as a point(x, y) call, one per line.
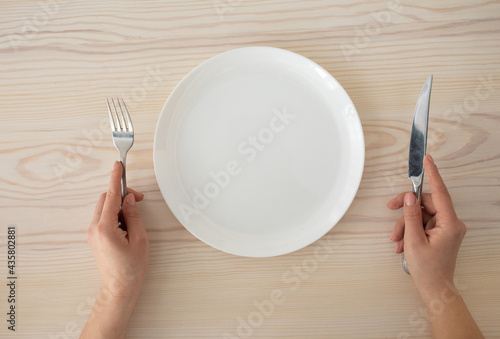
point(119, 118)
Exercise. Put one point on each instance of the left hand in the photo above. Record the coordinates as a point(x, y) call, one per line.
point(122, 256)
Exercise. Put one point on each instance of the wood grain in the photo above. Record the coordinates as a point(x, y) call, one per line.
point(58, 65)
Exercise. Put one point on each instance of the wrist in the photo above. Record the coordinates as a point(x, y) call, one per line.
point(118, 298)
point(119, 290)
point(110, 315)
point(438, 292)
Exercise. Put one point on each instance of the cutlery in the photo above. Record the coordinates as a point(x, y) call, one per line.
point(123, 139)
point(418, 144)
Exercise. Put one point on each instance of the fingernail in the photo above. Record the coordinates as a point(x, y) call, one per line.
point(396, 248)
point(130, 199)
point(115, 165)
point(430, 158)
point(392, 234)
point(410, 199)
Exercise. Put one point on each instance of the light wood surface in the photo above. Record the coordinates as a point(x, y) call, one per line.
point(59, 63)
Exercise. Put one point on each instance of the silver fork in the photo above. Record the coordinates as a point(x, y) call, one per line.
point(123, 137)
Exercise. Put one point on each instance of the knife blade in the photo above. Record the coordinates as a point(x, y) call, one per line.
point(418, 143)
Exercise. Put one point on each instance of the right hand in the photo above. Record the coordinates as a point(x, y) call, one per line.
point(429, 235)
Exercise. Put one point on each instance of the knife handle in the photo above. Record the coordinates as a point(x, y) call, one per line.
point(417, 190)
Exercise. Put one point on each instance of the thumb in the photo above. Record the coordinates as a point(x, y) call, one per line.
point(414, 228)
point(132, 217)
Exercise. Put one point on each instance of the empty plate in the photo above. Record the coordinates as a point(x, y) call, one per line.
point(258, 151)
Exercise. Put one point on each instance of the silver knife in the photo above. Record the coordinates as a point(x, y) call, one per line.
point(418, 143)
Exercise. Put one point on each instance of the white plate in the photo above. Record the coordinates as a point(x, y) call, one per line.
point(258, 151)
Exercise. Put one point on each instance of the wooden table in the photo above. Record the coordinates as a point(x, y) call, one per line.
point(61, 58)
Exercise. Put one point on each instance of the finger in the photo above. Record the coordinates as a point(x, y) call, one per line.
point(113, 200)
point(135, 227)
point(399, 247)
point(138, 195)
point(399, 230)
point(426, 217)
point(414, 230)
point(397, 202)
point(428, 204)
point(98, 209)
point(430, 224)
point(440, 196)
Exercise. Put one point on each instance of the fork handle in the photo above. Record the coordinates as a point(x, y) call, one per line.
point(123, 160)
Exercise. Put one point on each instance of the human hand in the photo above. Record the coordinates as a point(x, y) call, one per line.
point(430, 252)
point(122, 256)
